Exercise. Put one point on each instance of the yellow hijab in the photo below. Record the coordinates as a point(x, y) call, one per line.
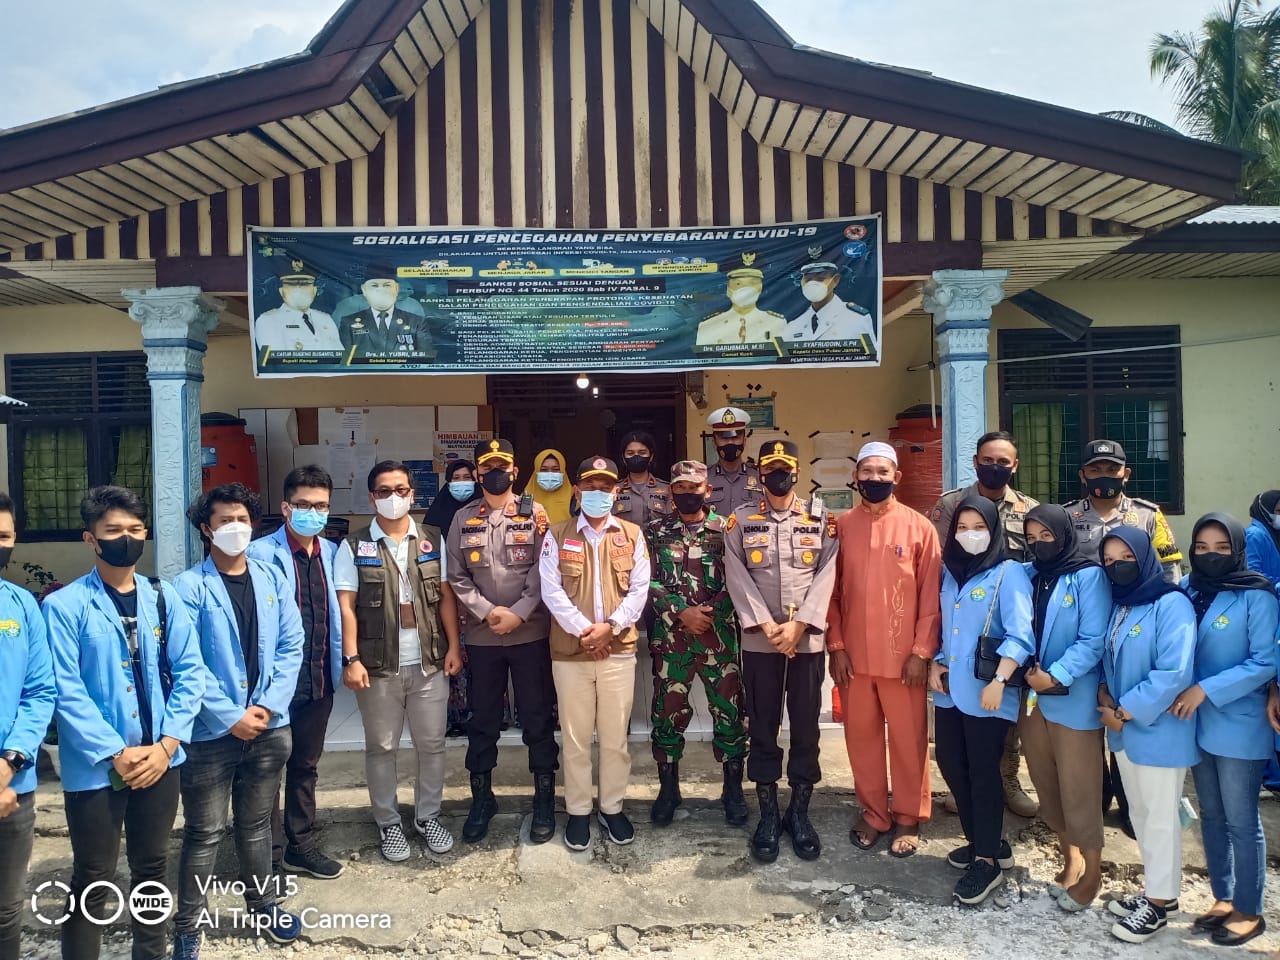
point(555, 502)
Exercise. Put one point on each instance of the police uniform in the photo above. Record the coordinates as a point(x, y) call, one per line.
point(726, 491)
point(493, 562)
point(644, 503)
point(1012, 507)
point(289, 328)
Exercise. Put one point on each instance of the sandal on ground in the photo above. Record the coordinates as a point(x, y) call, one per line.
point(860, 828)
point(900, 832)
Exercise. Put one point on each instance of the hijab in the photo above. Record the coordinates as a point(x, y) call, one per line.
point(1069, 557)
point(555, 502)
point(445, 505)
point(1264, 510)
point(963, 566)
point(1240, 578)
point(1151, 584)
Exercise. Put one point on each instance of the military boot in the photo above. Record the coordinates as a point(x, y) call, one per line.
point(735, 804)
point(664, 808)
point(483, 807)
point(1014, 796)
point(543, 825)
point(764, 843)
point(804, 839)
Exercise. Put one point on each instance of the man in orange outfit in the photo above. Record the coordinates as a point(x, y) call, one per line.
point(882, 632)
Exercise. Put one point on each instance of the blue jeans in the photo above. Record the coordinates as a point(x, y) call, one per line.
point(245, 774)
point(1234, 847)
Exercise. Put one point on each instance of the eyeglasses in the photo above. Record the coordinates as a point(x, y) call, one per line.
point(383, 492)
point(307, 505)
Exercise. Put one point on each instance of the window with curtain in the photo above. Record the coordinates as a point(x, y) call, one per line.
point(88, 422)
point(1058, 394)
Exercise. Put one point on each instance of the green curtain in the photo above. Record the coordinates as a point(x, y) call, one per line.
point(1039, 429)
point(55, 475)
point(132, 468)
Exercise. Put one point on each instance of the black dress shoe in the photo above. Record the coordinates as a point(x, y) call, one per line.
point(1225, 938)
point(1208, 922)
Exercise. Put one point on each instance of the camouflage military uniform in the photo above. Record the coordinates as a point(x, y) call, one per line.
point(1012, 507)
point(688, 570)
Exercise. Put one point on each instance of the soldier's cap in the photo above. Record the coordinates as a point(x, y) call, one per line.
point(878, 448)
point(495, 449)
point(293, 271)
point(597, 467)
point(749, 263)
point(729, 421)
point(1103, 450)
point(381, 270)
point(779, 451)
point(822, 267)
point(692, 471)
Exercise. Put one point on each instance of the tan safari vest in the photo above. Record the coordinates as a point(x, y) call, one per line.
point(577, 573)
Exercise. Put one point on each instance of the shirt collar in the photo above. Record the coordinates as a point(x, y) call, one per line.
point(377, 533)
point(295, 545)
point(584, 524)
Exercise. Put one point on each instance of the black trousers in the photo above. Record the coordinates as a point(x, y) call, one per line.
point(968, 750)
point(763, 677)
point(1113, 786)
point(17, 832)
point(529, 667)
point(95, 819)
point(293, 824)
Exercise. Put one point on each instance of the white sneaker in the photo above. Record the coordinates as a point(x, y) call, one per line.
point(433, 832)
point(395, 847)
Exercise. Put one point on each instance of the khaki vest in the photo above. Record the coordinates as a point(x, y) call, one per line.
point(578, 572)
point(378, 601)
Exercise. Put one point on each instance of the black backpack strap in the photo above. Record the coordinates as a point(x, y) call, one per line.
point(162, 638)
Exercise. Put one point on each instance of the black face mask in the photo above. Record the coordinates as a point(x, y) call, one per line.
point(1122, 573)
point(875, 491)
point(5, 554)
point(779, 483)
point(689, 503)
point(638, 464)
point(730, 452)
point(1045, 550)
point(1213, 565)
point(496, 481)
point(122, 551)
point(994, 476)
point(1105, 488)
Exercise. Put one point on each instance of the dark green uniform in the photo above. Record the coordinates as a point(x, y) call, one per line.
point(688, 570)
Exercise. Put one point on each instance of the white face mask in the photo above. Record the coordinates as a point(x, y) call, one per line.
point(232, 538)
point(380, 299)
point(745, 296)
point(974, 542)
point(393, 507)
point(814, 290)
point(1275, 520)
point(300, 298)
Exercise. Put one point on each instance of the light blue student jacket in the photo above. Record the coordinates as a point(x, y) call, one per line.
point(97, 704)
point(27, 692)
point(1235, 660)
point(1075, 627)
point(1261, 551)
point(1148, 659)
point(227, 694)
point(276, 551)
point(964, 614)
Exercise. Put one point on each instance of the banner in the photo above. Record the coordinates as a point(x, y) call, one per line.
point(489, 300)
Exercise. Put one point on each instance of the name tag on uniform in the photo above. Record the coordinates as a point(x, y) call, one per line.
point(368, 561)
point(695, 553)
point(424, 557)
point(366, 548)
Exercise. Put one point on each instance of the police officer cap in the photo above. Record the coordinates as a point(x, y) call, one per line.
point(292, 271)
point(597, 467)
point(822, 267)
point(729, 421)
point(749, 263)
point(495, 449)
point(1103, 450)
point(779, 451)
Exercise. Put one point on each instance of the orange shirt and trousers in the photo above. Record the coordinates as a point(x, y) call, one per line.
point(884, 609)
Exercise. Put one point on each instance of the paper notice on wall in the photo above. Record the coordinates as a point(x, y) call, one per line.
point(832, 473)
point(832, 445)
point(456, 419)
point(457, 445)
point(342, 463)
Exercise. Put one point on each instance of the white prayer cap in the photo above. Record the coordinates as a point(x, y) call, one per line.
point(878, 448)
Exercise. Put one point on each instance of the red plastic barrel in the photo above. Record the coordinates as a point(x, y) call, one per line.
point(919, 446)
point(228, 452)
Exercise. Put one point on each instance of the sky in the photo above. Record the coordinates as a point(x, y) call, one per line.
point(65, 55)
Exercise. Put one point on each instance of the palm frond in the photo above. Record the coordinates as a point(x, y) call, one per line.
point(1140, 120)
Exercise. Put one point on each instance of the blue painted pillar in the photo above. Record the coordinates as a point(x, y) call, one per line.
point(175, 335)
point(961, 302)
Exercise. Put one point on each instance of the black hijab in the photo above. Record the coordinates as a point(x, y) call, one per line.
point(1151, 584)
point(444, 506)
point(1264, 509)
point(963, 566)
point(1069, 557)
point(1240, 578)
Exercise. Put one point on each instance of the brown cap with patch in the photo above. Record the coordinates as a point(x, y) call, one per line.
point(597, 467)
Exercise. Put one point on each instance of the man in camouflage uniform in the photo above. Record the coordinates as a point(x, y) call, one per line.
point(995, 461)
point(695, 636)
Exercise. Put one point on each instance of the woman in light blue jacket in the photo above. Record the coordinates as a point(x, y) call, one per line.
point(1262, 537)
point(1147, 661)
point(1236, 613)
point(1061, 732)
point(983, 593)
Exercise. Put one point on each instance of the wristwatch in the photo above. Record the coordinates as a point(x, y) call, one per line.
point(617, 627)
point(348, 661)
point(1000, 679)
point(18, 761)
point(1120, 714)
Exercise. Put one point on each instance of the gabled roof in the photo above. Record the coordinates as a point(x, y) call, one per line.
point(334, 100)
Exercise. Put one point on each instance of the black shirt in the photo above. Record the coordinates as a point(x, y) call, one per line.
point(313, 602)
point(240, 590)
point(127, 607)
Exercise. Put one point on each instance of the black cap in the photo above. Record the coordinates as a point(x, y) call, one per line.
point(783, 450)
point(1103, 450)
point(380, 270)
point(495, 449)
point(597, 467)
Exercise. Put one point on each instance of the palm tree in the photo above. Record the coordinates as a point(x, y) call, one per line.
point(1226, 79)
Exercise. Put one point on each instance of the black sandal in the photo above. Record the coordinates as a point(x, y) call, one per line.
point(1225, 938)
point(1209, 922)
point(863, 827)
point(900, 831)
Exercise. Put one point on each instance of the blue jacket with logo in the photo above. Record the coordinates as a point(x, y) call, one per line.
point(97, 704)
point(27, 692)
point(1075, 627)
point(964, 614)
point(227, 694)
point(1148, 659)
point(1261, 550)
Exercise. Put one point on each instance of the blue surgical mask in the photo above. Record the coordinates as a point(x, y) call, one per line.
point(550, 481)
point(596, 503)
point(308, 523)
point(462, 490)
